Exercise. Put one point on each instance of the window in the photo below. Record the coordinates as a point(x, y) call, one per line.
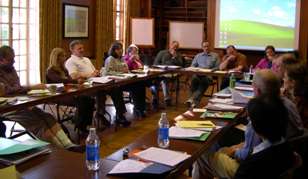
point(120, 20)
point(19, 28)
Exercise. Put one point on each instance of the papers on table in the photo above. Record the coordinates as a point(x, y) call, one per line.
point(199, 110)
point(102, 80)
point(58, 85)
point(9, 146)
point(167, 66)
point(239, 98)
point(223, 95)
point(195, 124)
point(221, 100)
point(163, 156)
point(223, 107)
point(181, 133)
point(129, 166)
point(218, 114)
point(122, 76)
point(244, 88)
point(39, 92)
point(15, 152)
point(3, 100)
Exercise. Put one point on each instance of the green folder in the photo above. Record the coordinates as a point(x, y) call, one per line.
point(218, 114)
point(203, 137)
point(9, 146)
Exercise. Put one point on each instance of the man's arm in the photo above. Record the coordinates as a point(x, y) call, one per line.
point(158, 58)
point(217, 62)
point(194, 63)
point(225, 60)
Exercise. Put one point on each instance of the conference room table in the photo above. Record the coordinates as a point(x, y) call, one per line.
point(220, 75)
point(64, 164)
point(23, 101)
point(70, 90)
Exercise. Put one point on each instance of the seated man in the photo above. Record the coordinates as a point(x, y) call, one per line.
point(78, 67)
point(272, 157)
point(265, 83)
point(40, 123)
point(200, 83)
point(233, 61)
point(170, 56)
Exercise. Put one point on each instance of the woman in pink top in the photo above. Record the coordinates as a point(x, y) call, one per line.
point(132, 58)
point(266, 62)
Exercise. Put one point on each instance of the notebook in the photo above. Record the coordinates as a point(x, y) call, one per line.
point(15, 152)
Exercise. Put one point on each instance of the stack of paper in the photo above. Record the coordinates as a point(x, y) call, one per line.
point(244, 88)
point(180, 133)
point(223, 95)
point(239, 98)
point(218, 114)
point(129, 166)
point(39, 92)
point(136, 168)
point(103, 79)
point(15, 152)
point(223, 107)
point(185, 133)
point(221, 100)
point(195, 124)
point(163, 156)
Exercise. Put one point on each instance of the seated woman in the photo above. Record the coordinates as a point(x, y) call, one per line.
point(295, 87)
point(133, 62)
point(233, 61)
point(56, 73)
point(266, 62)
point(115, 64)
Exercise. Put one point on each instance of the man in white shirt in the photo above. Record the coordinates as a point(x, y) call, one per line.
point(80, 67)
point(77, 65)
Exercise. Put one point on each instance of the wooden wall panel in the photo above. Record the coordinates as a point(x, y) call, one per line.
point(90, 41)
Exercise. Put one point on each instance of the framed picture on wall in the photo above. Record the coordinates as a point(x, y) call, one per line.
point(76, 21)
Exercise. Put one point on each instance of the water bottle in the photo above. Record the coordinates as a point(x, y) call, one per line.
point(92, 150)
point(232, 80)
point(163, 131)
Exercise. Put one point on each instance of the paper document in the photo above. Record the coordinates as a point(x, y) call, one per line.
point(223, 107)
point(244, 88)
point(195, 124)
point(221, 72)
point(163, 156)
point(129, 166)
point(103, 79)
point(218, 114)
point(199, 109)
point(223, 95)
point(239, 98)
point(178, 132)
point(221, 100)
point(39, 92)
point(9, 146)
point(58, 85)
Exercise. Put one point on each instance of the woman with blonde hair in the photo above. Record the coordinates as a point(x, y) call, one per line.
point(57, 73)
